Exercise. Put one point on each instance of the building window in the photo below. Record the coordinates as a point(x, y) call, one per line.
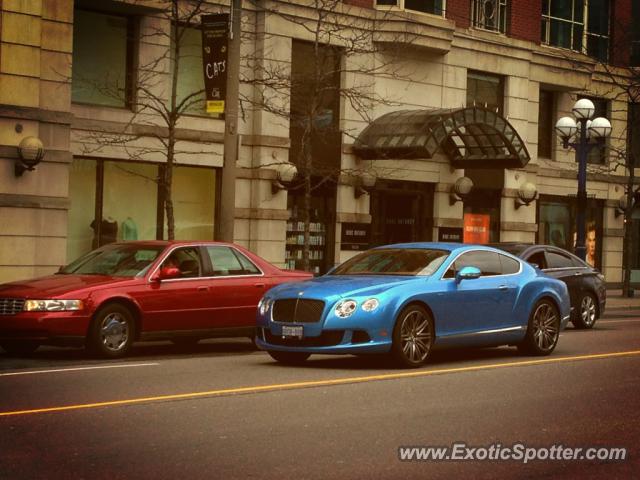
point(546, 109)
point(598, 155)
point(435, 7)
point(635, 34)
point(102, 59)
point(557, 221)
point(490, 15)
point(578, 25)
point(98, 215)
point(485, 90)
point(190, 86)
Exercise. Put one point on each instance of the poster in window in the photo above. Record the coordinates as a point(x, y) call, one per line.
point(215, 34)
point(590, 242)
point(476, 228)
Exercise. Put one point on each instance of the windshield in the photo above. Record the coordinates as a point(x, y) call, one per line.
point(116, 260)
point(394, 261)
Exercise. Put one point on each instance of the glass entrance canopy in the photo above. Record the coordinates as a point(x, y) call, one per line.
point(472, 137)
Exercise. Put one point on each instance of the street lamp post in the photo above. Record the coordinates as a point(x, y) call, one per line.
point(567, 128)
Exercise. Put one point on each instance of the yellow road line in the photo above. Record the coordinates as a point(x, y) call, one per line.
point(319, 383)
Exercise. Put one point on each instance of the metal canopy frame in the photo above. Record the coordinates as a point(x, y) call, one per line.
point(472, 137)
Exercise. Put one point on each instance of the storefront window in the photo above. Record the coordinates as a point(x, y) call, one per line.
point(635, 246)
point(401, 212)
point(125, 197)
point(557, 226)
point(82, 195)
point(101, 59)
point(481, 221)
point(193, 195)
point(129, 206)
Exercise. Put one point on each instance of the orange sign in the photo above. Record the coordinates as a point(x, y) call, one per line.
point(476, 228)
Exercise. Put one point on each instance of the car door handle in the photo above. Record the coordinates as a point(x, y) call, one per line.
point(259, 285)
point(203, 289)
point(503, 287)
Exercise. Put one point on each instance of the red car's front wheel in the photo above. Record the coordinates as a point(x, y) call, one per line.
point(112, 331)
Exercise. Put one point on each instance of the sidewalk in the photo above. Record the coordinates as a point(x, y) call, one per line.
point(616, 300)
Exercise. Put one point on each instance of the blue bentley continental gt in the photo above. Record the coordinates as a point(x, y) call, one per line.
point(407, 299)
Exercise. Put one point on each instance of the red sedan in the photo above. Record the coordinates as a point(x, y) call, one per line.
point(154, 290)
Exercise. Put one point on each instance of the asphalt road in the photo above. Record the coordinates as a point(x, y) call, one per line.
point(221, 410)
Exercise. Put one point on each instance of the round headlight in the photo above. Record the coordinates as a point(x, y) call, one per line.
point(370, 305)
point(345, 308)
point(264, 305)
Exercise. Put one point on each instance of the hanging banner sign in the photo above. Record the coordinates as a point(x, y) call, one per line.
point(215, 34)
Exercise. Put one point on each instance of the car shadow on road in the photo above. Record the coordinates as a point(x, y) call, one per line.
point(140, 351)
point(452, 358)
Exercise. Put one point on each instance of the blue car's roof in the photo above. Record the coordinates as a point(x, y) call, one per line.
point(439, 245)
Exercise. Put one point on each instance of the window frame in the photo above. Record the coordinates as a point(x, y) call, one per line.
point(547, 19)
point(453, 262)
point(548, 252)
point(131, 57)
point(543, 127)
point(400, 5)
point(237, 255)
point(502, 12)
point(478, 76)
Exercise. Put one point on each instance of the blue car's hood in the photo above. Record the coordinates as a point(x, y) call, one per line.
point(341, 286)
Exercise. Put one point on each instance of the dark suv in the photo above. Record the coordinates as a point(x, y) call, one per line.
point(586, 284)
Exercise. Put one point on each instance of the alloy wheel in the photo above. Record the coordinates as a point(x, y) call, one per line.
point(545, 327)
point(114, 331)
point(588, 311)
point(415, 336)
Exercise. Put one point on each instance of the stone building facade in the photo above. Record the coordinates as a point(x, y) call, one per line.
point(92, 188)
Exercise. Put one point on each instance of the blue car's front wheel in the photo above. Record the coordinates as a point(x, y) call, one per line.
point(413, 336)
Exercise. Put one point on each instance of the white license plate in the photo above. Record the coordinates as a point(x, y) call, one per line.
point(288, 331)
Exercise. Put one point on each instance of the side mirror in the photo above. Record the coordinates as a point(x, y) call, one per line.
point(166, 273)
point(468, 273)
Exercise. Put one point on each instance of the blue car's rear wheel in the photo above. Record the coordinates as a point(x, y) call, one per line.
point(543, 330)
point(413, 337)
point(290, 358)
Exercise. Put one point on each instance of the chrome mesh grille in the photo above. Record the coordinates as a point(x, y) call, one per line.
point(11, 306)
point(297, 310)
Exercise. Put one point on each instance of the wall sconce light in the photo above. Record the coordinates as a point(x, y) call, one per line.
point(364, 184)
point(622, 206)
point(460, 189)
point(30, 153)
point(527, 193)
point(285, 176)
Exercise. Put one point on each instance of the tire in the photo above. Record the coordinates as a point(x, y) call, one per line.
point(413, 337)
point(112, 331)
point(20, 347)
point(586, 312)
point(289, 358)
point(543, 330)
